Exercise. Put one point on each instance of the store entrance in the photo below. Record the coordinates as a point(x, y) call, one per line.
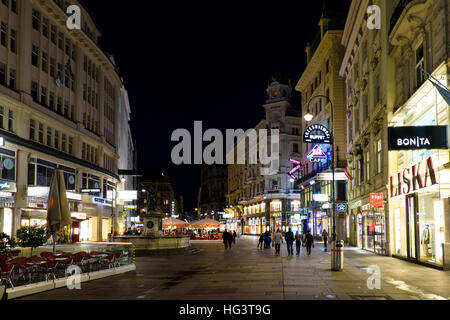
point(412, 226)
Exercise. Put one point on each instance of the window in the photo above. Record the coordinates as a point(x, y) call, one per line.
point(35, 56)
point(379, 160)
point(85, 64)
point(12, 79)
point(377, 90)
point(66, 108)
point(60, 40)
point(45, 27)
point(49, 136)
point(52, 101)
point(83, 151)
point(420, 65)
point(7, 165)
point(14, 6)
point(56, 139)
point(295, 149)
point(41, 133)
point(70, 145)
point(44, 62)
point(32, 129)
point(90, 181)
point(44, 96)
point(52, 67)
point(367, 165)
point(2, 112)
point(3, 34)
point(360, 171)
point(59, 105)
point(68, 47)
point(13, 41)
point(63, 143)
point(36, 19)
point(327, 67)
point(34, 90)
point(365, 107)
point(2, 73)
point(11, 120)
point(53, 34)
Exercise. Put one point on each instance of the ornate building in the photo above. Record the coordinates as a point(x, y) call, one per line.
point(212, 191)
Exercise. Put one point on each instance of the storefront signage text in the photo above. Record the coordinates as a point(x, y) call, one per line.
point(102, 201)
point(417, 138)
point(412, 179)
point(317, 154)
point(317, 133)
point(90, 190)
point(5, 186)
point(79, 215)
point(376, 200)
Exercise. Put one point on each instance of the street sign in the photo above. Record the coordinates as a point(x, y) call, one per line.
point(376, 200)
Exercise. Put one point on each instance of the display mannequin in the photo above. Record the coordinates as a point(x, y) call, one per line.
point(426, 237)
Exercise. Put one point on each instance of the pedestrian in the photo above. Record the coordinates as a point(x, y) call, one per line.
point(234, 236)
point(298, 242)
point(309, 242)
point(325, 239)
point(225, 237)
point(261, 241)
point(267, 241)
point(230, 240)
point(278, 240)
point(289, 237)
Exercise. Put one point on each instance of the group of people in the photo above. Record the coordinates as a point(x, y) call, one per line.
point(265, 240)
point(228, 238)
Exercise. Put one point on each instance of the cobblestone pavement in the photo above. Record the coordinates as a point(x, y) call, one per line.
point(245, 273)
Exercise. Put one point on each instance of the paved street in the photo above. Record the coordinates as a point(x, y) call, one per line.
point(246, 273)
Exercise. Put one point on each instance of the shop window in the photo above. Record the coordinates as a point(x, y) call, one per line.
point(7, 165)
point(32, 129)
point(379, 159)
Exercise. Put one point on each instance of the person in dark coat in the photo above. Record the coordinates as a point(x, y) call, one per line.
point(325, 239)
point(261, 241)
point(309, 242)
point(234, 236)
point(289, 237)
point(230, 240)
point(266, 238)
point(225, 237)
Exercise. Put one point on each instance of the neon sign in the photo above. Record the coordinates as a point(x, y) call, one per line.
point(317, 154)
point(295, 169)
point(317, 133)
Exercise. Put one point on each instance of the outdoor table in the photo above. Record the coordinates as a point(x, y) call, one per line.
point(34, 265)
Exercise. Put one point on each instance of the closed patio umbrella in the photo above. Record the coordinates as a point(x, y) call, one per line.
point(58, 213)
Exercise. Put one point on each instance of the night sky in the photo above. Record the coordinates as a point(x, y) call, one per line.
point(208, 61)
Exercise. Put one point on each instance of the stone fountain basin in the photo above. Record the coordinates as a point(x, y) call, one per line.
point(155, 242)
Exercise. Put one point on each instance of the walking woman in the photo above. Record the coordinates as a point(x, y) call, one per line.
point(298, 242)
point(278, 240)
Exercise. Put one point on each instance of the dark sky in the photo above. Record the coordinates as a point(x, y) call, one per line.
point(208, 61)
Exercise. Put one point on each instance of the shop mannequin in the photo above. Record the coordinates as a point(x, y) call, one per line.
point(426, 236)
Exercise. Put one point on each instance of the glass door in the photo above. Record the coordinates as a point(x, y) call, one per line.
point(411, 221)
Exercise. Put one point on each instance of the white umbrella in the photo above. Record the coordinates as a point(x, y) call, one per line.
point(206, 223)
point(174, 222)
point(58, 213)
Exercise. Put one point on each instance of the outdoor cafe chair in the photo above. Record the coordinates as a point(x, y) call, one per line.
point(81, 259)
point(7, 273)
point(23, 268)
point(14, 253)
point(38, 268)
point(109, 261)
point(51, 269)
point(117, 257)
point(47, 255)
point(3, 259)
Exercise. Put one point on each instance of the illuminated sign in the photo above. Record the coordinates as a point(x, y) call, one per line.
point(419, 138)
point(127, 195)
point(2, 142)
point(102, 201)
point(38, 192)
point(73, 196)
point(413, 179)
point(295, 169)
point(341, 207)
point(317, 133)
point(320, 197)
point(376, 200)
point(227, 215)
point(130, 207)
point(317, 154)
point(5, 186)
point(79, 215)
point(328, 176)
point(96, 190)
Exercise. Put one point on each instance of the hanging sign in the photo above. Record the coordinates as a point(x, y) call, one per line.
point(376, 200)
point(419, 138)
point(317, 154)
point(317, 133)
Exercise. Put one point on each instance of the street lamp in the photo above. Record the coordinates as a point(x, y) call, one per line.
point(308, 118)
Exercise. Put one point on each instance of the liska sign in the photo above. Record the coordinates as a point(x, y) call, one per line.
point(412, 179)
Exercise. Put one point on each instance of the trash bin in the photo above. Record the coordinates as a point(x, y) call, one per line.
point(337, 255)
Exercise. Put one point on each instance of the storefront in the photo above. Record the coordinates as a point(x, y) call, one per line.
point(7, 204)
point(419, 199)
point(253, 226)
point(372, 230)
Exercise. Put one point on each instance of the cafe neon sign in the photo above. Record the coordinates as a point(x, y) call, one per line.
point(317, 154)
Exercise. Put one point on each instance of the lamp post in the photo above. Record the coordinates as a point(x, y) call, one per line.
point(308, 117)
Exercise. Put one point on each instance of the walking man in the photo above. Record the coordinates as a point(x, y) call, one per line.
point(325, 239)
point(309, 242)
point(234, 236)
point(261, 241)
point(225, 237)
point(278, 240)
point(289, 237)
point(298, 242)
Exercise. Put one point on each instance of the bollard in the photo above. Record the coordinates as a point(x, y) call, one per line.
point(337, 255)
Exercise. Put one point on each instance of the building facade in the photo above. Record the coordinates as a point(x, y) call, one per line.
point(271, 200)
point(321, 78)
point(420, 179)
point(58, 109)
point(368, 73)
point(235, 193)
point(212, 192)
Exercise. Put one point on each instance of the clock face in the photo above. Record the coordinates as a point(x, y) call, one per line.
point(150, 224)
point(275, 93)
